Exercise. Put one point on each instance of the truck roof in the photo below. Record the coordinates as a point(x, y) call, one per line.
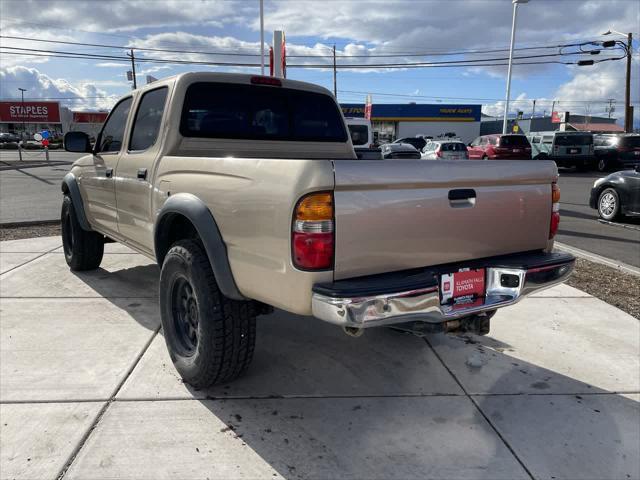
point(241, 78)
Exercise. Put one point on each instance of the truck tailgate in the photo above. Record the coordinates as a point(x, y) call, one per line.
point(397, 214)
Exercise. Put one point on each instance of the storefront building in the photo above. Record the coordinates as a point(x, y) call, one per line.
point(28, 117)
point(392, 121)
point(31, 117)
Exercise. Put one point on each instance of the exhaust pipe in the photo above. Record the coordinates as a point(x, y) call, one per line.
point(353, 331)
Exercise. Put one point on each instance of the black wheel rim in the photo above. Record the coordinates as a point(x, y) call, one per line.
point(67, 234)
point(184, 306)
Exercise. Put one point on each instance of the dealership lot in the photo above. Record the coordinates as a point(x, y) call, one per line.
point(87, 388)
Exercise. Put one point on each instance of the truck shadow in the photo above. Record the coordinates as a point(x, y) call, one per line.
point(318, 404)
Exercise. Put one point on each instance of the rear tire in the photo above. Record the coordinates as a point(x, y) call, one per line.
point(210, 337)
point(82, 250)
point(609, 204)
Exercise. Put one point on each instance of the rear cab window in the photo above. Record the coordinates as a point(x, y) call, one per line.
point(453, 147)
point(565, 140)
point(252, 112)
point(514, 141)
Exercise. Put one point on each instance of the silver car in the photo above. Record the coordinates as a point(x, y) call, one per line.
point(445, 150)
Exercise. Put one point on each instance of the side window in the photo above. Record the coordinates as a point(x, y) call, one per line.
point(113, 131)
point(148, 117)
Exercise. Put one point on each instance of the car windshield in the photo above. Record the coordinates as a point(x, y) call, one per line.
point(359, 134)
point(565, 140)
point(514, 141)
point(630, 142)
point(223, 110)
point(453, 147)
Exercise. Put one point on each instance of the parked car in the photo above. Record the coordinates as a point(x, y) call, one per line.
point(248, 194)
point(617, 195)
point(8, 138)
point(500, 147)
point(445, 150)
point(418, 142)
point(567, 149)
point(399, 151)
point(619, 151)
point(362, 138)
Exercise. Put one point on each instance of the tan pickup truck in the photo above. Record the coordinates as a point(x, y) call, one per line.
point(247, 192)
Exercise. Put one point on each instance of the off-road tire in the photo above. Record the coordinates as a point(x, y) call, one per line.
point(609, 204)
point(82, 250)
point(224, 329)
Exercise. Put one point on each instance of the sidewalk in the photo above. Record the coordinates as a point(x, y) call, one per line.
point(87, 389)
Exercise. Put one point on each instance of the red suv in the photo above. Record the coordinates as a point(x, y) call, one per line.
point(500, 147)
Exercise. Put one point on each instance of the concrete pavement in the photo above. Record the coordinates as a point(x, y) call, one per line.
point(87, 390)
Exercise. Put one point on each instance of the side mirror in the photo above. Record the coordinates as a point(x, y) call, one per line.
point(77, 142)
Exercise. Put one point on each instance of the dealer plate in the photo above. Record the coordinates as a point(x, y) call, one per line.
point(462, 286)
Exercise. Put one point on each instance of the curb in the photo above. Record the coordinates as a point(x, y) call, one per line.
point(592, 257)
point(33, 223)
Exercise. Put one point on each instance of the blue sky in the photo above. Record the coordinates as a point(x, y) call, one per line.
point(313, 27)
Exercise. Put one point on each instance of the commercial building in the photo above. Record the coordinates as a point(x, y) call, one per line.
point(31, 117)
point(391, 120)
point(568, 122)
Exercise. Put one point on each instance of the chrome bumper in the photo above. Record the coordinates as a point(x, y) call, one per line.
point(423, 303)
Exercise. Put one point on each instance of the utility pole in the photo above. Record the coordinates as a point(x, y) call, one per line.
point(335, 77)
point(133, 69)
point(628, 117)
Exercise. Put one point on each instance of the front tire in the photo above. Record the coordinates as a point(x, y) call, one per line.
point(210, 337)
point(82, 250)
point(609, 204)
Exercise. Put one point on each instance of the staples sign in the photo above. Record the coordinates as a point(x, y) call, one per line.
point(30, 112)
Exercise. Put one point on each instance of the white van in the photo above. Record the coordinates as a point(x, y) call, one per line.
point(360, 131)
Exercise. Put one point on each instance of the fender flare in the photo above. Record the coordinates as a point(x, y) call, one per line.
point(195, 210)
point(70, 186)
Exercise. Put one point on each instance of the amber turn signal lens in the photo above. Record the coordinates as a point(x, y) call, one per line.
point(555, 193)
point(317, 206)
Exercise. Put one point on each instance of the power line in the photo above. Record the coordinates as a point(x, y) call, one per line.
point(373, 55)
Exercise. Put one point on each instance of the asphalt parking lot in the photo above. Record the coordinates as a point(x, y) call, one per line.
point(87, 390)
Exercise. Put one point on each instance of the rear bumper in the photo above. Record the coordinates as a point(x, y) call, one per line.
point(414, 295)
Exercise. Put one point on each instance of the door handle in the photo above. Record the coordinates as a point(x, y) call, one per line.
point(462, 194)
point(462, 197)
point(108, 172)
point(142, 174)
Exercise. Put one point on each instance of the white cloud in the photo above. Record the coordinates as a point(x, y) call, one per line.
point(80, 96)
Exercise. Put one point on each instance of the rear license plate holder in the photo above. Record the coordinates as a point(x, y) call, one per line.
point(462, 287)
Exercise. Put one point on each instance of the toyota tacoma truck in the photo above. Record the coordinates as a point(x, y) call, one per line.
point(247, 192)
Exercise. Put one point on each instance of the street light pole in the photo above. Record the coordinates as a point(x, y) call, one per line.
point(628, 117)
point(513, 37)
point(24, 127)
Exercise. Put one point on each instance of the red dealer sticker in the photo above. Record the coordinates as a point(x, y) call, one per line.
point(459, 285)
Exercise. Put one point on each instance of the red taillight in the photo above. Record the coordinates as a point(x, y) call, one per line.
point(438, 154)
point(555, 210)
point(312, 240)
point(313, 251)
point(274, 82)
